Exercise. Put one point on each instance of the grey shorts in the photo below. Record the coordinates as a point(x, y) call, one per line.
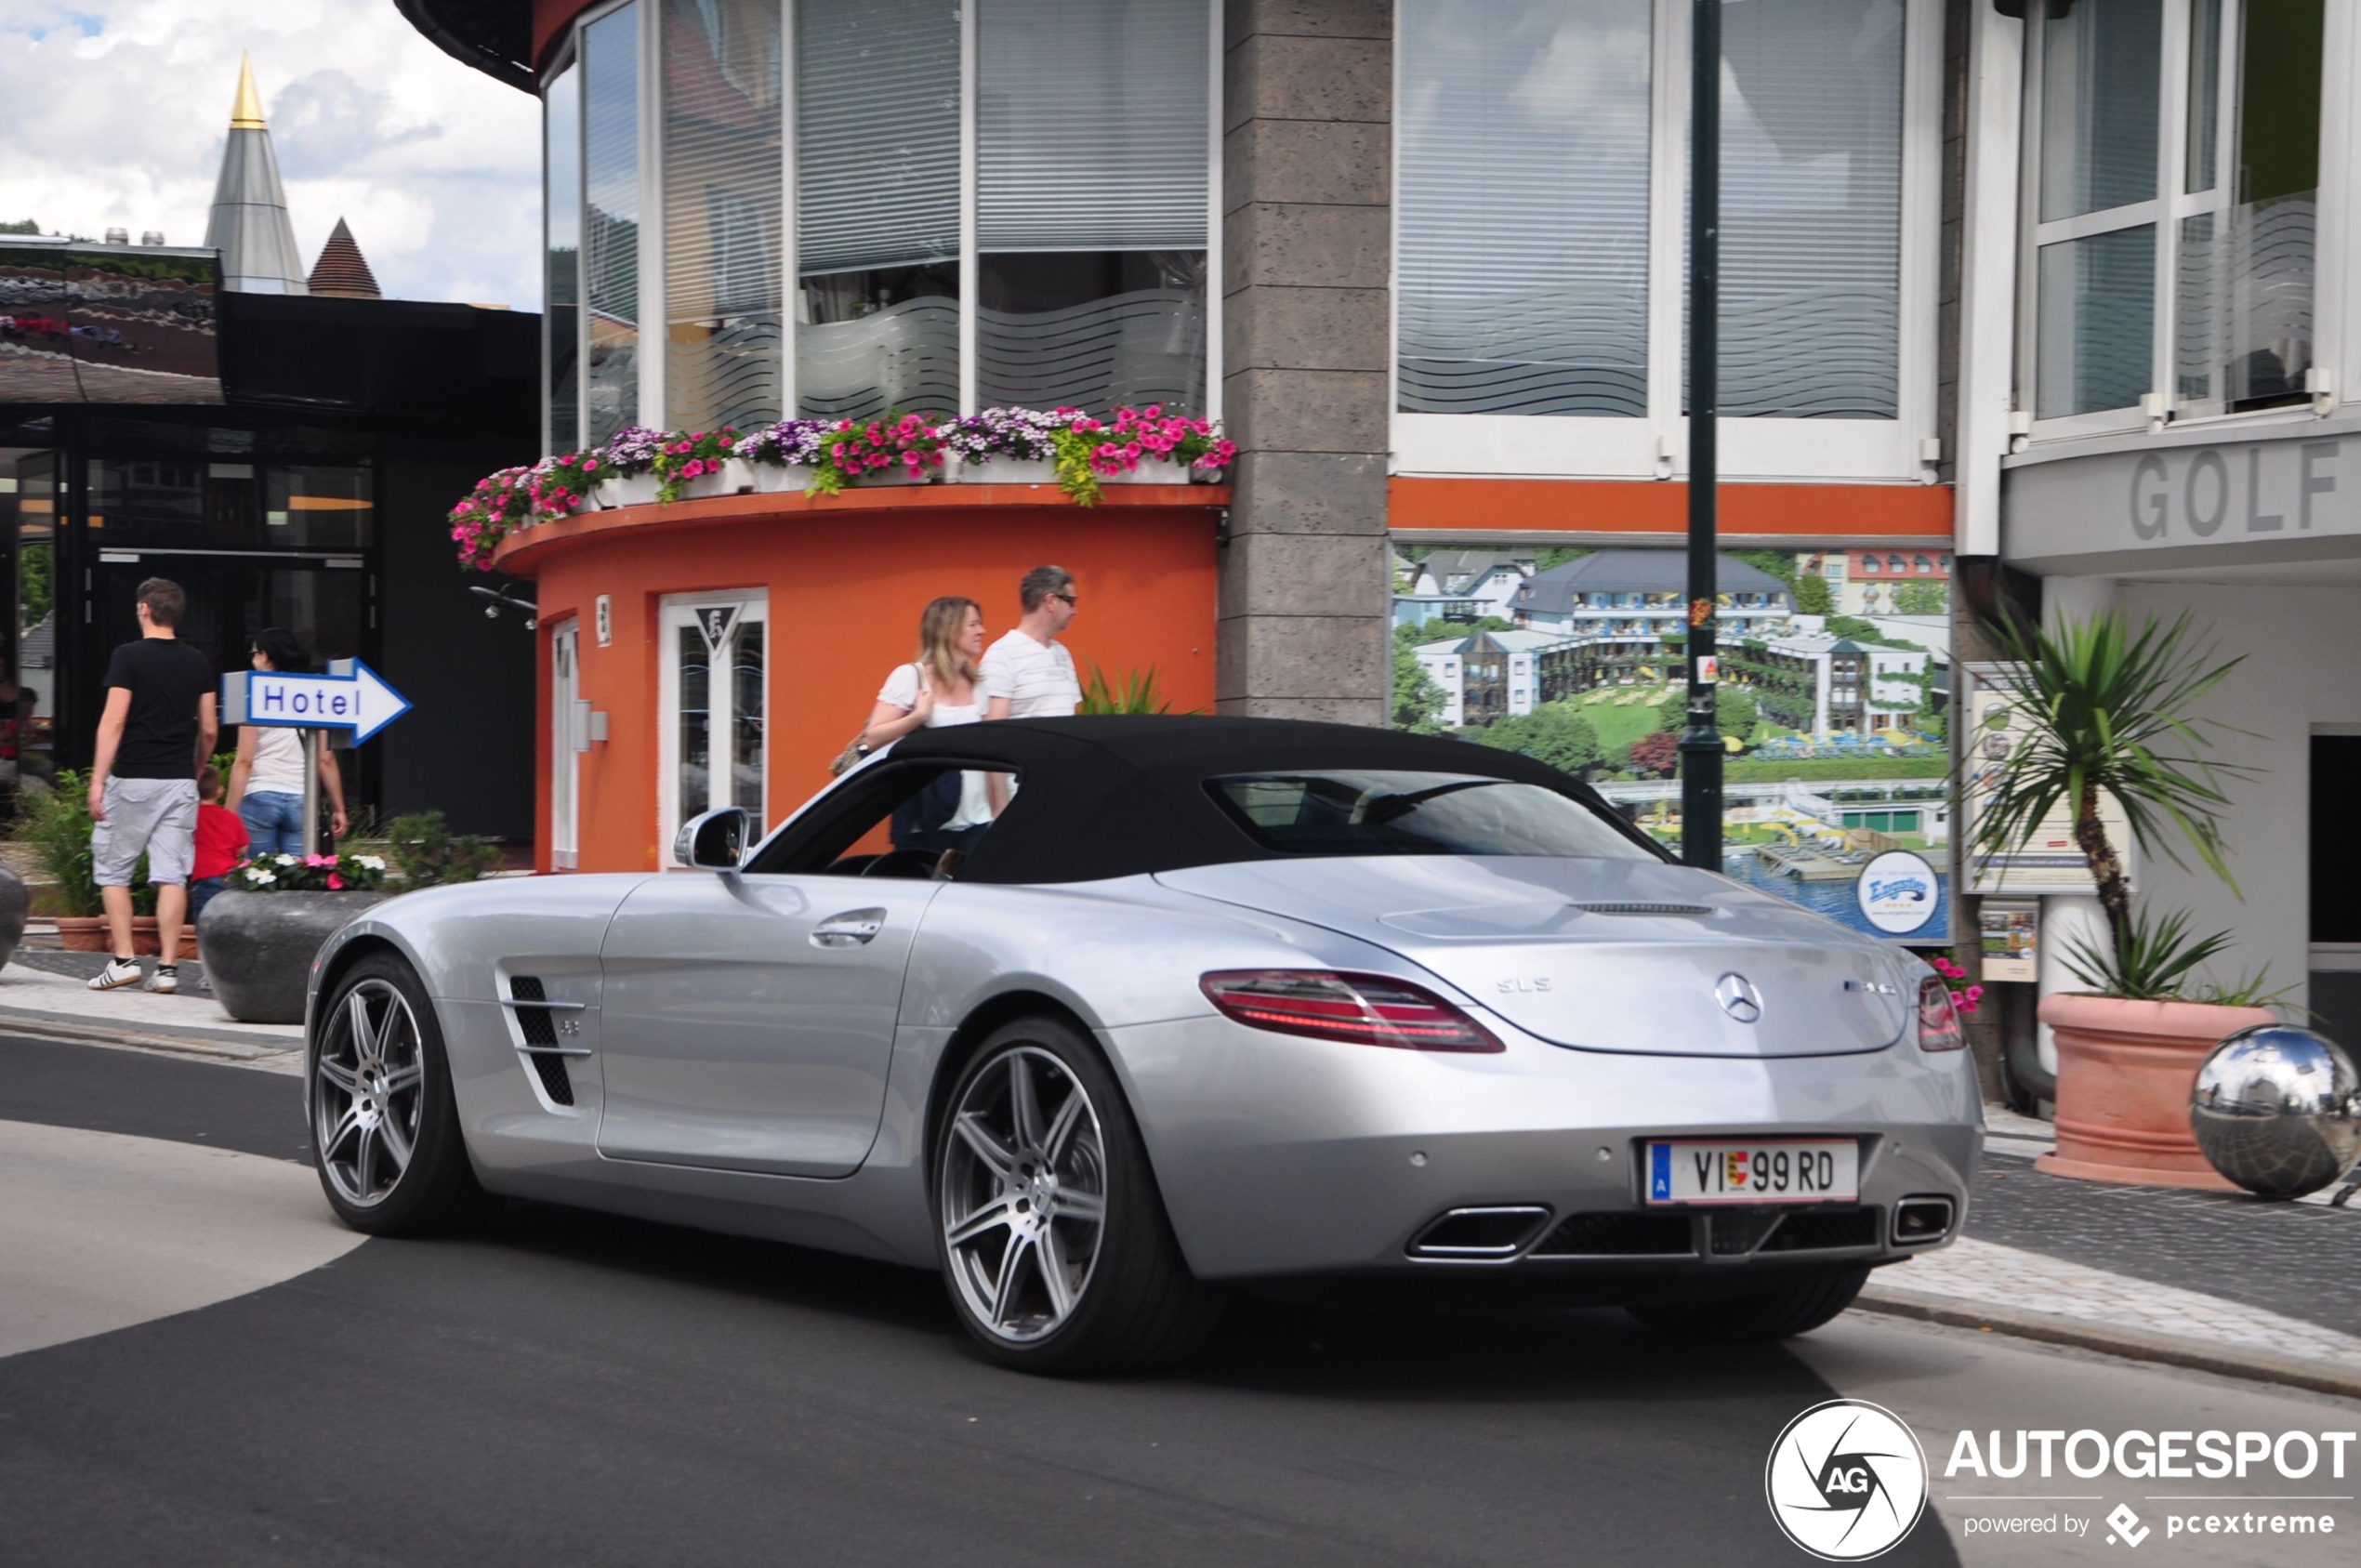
point(156, 815)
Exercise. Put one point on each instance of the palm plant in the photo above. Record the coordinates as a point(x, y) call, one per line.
point(1137, 694)
point(2108, 711)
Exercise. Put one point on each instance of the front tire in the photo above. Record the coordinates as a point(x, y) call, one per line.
point(1051, 1234)
point(1796, 1308)
point(384, 1132)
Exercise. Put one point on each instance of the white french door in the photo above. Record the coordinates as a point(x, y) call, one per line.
point(565, 745)
point(713, 708)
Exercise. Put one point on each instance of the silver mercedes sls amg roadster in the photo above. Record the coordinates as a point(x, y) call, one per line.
point(1103, 1017)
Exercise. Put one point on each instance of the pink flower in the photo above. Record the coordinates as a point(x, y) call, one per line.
point(336, 883)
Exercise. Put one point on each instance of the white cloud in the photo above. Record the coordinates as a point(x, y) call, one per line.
point(117, 111)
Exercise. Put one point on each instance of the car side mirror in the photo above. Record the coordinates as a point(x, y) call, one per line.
point(715, 841)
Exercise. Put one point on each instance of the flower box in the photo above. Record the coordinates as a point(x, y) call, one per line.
point(1009, 471)
point(628, 490)
point(773, 479)
point(737, 478)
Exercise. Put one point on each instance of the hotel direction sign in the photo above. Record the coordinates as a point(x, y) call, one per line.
point(2172, 501)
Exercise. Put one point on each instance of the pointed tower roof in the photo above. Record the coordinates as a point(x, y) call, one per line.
point(342, 272)
point(249, 224)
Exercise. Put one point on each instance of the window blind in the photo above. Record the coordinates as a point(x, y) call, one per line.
point(1524, 251)
point(611, 238)
point(1810, 208)
point(1091, 125)
point(877, 133)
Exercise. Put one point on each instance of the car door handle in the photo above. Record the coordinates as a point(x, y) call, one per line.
point(848, 929)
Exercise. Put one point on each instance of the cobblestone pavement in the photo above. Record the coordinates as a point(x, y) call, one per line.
point(2299, 1260)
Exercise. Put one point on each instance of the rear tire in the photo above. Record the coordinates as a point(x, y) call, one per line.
point(385, 1131)
point(1051, 1234)
point(1793, 1309)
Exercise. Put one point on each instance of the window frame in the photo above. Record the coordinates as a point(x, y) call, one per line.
point(1657, 446)
point(565, 758)
point(651, 378)
point(2167, 211)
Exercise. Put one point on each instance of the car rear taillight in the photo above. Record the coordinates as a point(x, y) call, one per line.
point(1938, 1025)
point(1364, 1009)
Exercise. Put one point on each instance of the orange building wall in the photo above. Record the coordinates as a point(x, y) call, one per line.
point(1807, 512)
point(847, 578)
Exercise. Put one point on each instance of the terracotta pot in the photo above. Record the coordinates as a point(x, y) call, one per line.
point(87, 933)
point(2126, 1070)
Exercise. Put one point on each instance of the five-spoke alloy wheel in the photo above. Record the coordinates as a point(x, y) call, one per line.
point(385, 1133)
point(1051, 1234)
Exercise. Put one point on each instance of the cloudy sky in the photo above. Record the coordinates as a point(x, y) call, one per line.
point(116, 112)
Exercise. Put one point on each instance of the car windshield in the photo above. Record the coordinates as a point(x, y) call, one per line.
point(1349, 812)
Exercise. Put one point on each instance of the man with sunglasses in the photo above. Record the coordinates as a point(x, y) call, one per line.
point(1028, 673)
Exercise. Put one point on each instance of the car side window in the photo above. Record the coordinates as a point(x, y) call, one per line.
point(915, 821)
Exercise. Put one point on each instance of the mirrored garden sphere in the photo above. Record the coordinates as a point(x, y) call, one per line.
point(2277, 1110)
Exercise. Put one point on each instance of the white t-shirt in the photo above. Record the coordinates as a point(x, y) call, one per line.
point(278, 762)
point(901, 690)
point(1039, 681)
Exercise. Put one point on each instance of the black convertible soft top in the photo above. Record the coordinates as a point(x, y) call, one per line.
point(1123, 795)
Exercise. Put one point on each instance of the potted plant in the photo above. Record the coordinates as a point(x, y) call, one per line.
point(2108, 711)
point(260, 933)
point(56, 823)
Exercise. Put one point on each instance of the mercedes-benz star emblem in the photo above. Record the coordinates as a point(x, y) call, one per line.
point(1738, 998)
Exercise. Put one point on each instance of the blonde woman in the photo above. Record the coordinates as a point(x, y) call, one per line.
point(940, 687)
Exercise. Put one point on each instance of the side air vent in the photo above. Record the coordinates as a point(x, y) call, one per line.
point(1691, 910)
point(539, 1031)
point(1618, 1235)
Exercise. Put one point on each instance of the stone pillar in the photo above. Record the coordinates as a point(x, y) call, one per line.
point(1307, 195)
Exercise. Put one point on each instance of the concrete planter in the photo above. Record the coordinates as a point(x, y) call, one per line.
point(15, 903)
point(258, 947)
point(2126, 1070)
point(87, 933)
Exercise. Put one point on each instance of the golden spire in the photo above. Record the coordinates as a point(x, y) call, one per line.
point(247, 113)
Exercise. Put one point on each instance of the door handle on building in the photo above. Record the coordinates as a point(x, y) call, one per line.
point(848, 929)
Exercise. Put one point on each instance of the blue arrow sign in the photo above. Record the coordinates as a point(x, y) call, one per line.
point(351, 696)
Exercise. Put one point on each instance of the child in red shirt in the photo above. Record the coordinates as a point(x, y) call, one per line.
point(221, 843)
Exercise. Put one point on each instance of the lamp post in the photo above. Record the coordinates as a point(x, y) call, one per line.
point(1701, 742)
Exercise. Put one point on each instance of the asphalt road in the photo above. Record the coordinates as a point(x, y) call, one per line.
point(572, 1388)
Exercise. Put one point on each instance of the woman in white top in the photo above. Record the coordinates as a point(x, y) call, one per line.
point(266, 781)
point(939, 686)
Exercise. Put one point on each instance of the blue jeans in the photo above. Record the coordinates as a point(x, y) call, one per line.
point(201, 893)
point(274, 822)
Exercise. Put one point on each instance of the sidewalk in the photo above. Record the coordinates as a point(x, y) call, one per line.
point(2218, 1282)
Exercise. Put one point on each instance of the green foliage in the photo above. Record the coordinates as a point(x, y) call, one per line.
point(1921, 599)
point(1417, 699)
point(1137, 694)
point(34, 566)
point(21, 226)
point(1072, 454)
point(2157, 960)
point(2110, 711)
point(1778, 564)
point(1558, 555)
point(427, 853)
point(1556, 733)
point(1735, 712)
point(56, 823)
point(1811, 595)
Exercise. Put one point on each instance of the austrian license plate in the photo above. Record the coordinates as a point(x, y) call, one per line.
point(1774, 1171)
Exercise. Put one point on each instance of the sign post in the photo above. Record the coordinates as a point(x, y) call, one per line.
point(1701, 749)
point(349, 696)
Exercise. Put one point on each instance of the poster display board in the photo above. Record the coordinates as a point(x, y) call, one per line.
point(1834, 697)
point(2048, 861)
point(2011, 933)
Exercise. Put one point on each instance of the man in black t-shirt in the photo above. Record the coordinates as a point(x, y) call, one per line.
point(158, 729)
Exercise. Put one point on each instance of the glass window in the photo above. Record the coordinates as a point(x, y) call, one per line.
point(1810, 208)
point(561, 209)
point(318, 508)
point(2099, 75)
point(1097, 302)
point(1354, 812)
point(611, 242)
point(2097, 322)
point(723, 205)
point(714, 707)
point(877, 206)
point(1523, 208)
